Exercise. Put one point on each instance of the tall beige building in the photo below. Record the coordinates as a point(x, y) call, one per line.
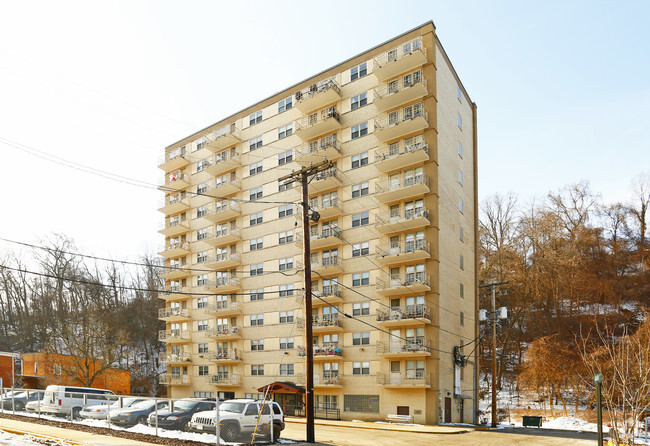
point(393, 252)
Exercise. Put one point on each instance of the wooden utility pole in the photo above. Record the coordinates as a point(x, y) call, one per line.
point(303, 176)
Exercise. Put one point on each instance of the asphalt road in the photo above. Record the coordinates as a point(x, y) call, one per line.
point(344, 436)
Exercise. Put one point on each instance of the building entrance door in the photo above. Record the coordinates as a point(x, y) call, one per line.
point(447, 410)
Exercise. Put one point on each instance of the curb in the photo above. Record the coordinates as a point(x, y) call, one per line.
point(387, 427)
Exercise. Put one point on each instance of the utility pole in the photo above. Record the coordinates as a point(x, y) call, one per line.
point(493, 286)
point(303, 176)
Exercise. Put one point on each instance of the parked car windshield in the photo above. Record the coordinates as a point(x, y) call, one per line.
point(182, 405)
point(232, 407)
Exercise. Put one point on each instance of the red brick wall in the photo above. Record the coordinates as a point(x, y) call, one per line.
point(5, 370)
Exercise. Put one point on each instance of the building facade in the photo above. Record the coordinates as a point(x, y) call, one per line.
point(393, 250)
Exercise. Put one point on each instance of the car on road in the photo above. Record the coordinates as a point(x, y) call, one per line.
point(239, 417)
point(137, 413)
point(101, 411)
point(18, 400)
point(178, 417)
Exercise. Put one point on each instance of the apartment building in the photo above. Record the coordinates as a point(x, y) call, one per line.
point(393, 250)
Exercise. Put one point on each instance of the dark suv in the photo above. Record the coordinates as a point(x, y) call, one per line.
point(181, 414)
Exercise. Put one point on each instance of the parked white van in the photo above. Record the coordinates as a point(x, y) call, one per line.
point(69, 400)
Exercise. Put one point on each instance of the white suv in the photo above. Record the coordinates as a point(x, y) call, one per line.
point(69, 400)
point(239, 417)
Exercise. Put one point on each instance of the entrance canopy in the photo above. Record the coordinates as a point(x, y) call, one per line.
point(282, 387)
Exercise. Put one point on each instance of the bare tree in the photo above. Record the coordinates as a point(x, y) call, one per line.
point(638, 208)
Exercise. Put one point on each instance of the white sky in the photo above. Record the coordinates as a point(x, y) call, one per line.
point(562, 92)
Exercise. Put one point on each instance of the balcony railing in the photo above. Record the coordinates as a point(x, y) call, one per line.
point(325, 262)
point(329, 290)
point(318, 123)
point(222, 138)
point(403, 248)
point(405, 219)
point(326, 379)
point(223, 330)
point(223, 307)
point(411, 347)
point(175, 334)
point(224, 379)
point(399, 60)
point(173, 379)
point(174, 181)
point(180, 357)
point(418, 311)
point(398, 85)
point(396, 150)
point(409, 280)
point(164, 313)
point(223, 355)
point(403, 182)
point(319, 94)
point(325, 174)
point(410, 378)
point(313, 151)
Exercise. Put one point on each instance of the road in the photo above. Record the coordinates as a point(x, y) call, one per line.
point(344, 436)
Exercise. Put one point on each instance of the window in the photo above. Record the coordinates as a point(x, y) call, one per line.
point(257, 270)
point(57, 369)
point(255, 143)
point(462, 291)
point(358, 71)
point(255, 193)
point(257, 294)
point(201, 279)
point(201, 211)
point(202, 234)
point(359, 160)
point(360, 189)
point(285, 104)
point(460, 177)
point(202, 257)
point(285, 237)
point(360, 249)
point(286, 317)
point(203, 370)
point(462, 319)
point(461, 263)
point(285, 211)
point(202, 325)
point(202, 302)
point(286, 343)
point(360, 219)
point(286, 263)
point(460, 121)
point(257, 243)
point(285, 131)
point(257, 370)
point(285, 157)
point(460, 149)
point(359, 101)
point(257, 345)
point(254, 118)
point(327, 402)
point(460, 234)
point(284, 186)
point(361, 309)
point(255, 168)
point(460, 205)
point(202, 165)
point(360, 279)
point(257, 319)
point(361, 403)
point(459, 94)
point(359, 130)
point(202, 347)
point(361, 368)
point(202, 188)
point(286, 290)
point(256, 219)
point(361, 338)
point(286, 369)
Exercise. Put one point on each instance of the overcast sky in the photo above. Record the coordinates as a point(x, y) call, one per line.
point(562, 89)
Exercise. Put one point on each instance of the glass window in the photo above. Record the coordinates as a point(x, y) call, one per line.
point(254, 118)
point(361, 368)
point(255, 193)
point(359, 130)
point(257, 294)
point(255, 168)
point(285, 104)
point(360, 219)
point(359, 160)
point(359, 190)
point(358, 71)
point(255, 143)
point(256, 219)
point(285, 131)
point(360, 279)
point(359, 101)
point(285, 157)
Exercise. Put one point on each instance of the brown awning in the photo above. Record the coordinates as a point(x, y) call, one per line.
point(282, 386)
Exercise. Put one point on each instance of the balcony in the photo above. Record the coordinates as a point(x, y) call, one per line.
point(173, 204)
point(174, 181)
point(172, 315)
point(224, 309)
point(223, 162)
point(326, 266)
point(315, 151)
point(393, 254)
point(397, 124)
point(174, 336)
point(225, 380)
point(401, 349)
point(174, 249)
point(325, 180)
point(174, 272)
point(174, 379)
point(413, 380)
point(173, 160)
point(221, 237)
point(173, 292)
point(330, 295)
point(222, 285)
point(224, 332)
point(400, 221)
point(326, 380)
point(323, 324)
point(224, 137)
point(224, 357)
point(393, 158)
point(399, 60)
point(411, 283)
point(403, 316)
point(220, 261)
point(318, 123)
point(328, 353)
point(318, 95)
point(327, 209)
point(402, 188)
point(173, 359)
point(173, 227)
point(222, 210)
point(328, 237)
point(225, 187)
point(398, 92)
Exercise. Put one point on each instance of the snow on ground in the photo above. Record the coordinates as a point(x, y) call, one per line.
point(7, 439)
point(572, 424)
